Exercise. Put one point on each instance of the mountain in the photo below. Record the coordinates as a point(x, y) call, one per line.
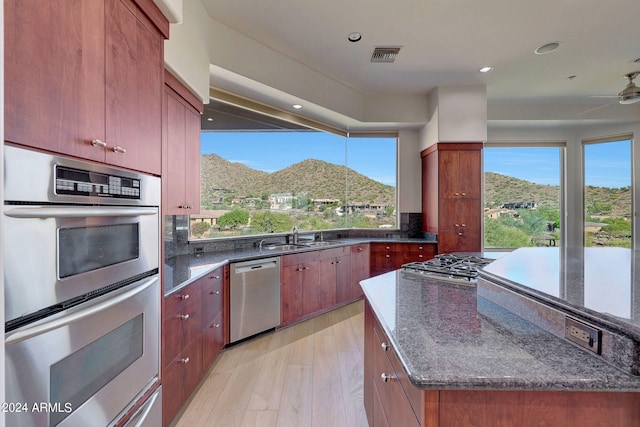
point(500, 189)
point(320, 179)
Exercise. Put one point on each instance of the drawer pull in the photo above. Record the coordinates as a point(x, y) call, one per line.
point(214, 293)
point(186, 360)
point(388, 256)
point(184, 316)
point(185, 296)
point(217, 325)
point(98, 143)
point(385, 346)
point(118, 149)
point(214, 277)
point(386, 378)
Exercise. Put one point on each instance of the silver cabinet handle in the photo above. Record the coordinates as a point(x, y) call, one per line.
point(217, 325)
point(184, 316)
point(98, 143)
point(184, 360)
point(118, 149)
point(184, 296)
point(386, 378)
point(185, 207)
point(214, 293)
point(214, 277)
point(385, 346)
point(78, 212)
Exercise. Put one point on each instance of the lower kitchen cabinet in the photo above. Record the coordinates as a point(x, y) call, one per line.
point(335, 271)
point(181, 348)
point(360, 269)
point(299, 272)
point(390, 399)
point(387, 257)
point(193, 334)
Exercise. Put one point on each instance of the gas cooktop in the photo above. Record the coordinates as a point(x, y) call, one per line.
point(456, 267)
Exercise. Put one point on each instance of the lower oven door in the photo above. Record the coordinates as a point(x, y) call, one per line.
point(83, 366)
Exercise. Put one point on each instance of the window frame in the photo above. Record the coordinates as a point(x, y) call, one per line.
point(562, 146)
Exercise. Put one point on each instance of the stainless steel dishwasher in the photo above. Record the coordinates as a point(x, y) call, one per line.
point(254, 297)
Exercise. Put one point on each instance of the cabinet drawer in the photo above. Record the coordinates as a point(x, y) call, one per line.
point(334, 252)
point(179, 329)
point(300, 258)
point(408, 392)
point(212, 341)
point(213, 278)
point(182, 297)
point(212, 302)
point(395, 404)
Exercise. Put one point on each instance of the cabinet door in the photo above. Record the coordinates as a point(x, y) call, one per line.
point(174, 177)
point(212, 341)
point(418, 252)
point(192, 156)
point(317, 294)
point(54, 75)
point(291, 293)
point(343, 278)
point(134, 76)
point(469, 173)
point(359, 269)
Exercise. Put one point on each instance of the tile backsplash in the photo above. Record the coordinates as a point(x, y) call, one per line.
point(176, 235)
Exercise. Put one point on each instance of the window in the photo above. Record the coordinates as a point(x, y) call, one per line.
point(261, 182)
point(607, 193)
point(522, 195)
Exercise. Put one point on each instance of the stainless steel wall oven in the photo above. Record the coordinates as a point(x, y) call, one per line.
point(82, 290)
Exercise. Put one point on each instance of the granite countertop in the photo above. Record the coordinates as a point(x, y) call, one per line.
point(182, 270)
point(601, 285)
point(447, 337)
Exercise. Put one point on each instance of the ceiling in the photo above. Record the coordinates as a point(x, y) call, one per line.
point(446, 42)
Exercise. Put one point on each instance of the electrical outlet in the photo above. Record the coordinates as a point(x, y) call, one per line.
point(584, 335)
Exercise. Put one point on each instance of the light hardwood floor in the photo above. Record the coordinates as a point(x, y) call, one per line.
point(309, 374)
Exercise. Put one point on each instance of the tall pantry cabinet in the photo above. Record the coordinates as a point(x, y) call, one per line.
point(452, 195)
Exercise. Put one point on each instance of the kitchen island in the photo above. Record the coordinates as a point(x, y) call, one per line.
point(440, 353)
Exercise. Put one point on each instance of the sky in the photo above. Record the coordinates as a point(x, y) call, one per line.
point(273, 151)
point(606, 164)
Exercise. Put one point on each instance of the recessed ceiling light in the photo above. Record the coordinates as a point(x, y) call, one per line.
point(547, 48)
point(297, 106)
point(354, 37)
point(485, 69)
point(209, 119)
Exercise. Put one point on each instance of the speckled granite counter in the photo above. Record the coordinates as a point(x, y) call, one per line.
point(181, 270)
point(447, 337)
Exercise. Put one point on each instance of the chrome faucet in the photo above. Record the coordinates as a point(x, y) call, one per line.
point(294, 235)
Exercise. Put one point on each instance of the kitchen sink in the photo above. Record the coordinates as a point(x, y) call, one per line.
point(319, 243)
point(283, 247)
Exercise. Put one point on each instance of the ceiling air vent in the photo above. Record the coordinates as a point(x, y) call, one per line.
point(385, 54)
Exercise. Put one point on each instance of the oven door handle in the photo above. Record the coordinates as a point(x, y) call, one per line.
point(78, 212)
point(40, 329)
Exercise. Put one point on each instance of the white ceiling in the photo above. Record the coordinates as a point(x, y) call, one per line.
point(445, 42)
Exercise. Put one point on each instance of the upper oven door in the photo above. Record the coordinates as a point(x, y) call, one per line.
point(56, 253)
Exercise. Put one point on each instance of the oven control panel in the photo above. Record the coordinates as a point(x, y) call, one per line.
point(77, 182)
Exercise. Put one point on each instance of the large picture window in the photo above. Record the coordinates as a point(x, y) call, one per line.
point(607, 193)
point(258, 182)
point(522, 195)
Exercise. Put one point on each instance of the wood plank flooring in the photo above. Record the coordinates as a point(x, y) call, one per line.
point(309, 374)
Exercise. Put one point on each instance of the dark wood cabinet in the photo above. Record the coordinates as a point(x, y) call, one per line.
point(387, 257)
point(397, 402)
point(299, 272)
point(335, 271)
point(181, 347)
point(360, 269)
point(451, 201)
point(95, 90)
point(193, 335)
point(181, 149)
point(212, 317)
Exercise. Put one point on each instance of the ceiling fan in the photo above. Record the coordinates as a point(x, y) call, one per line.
point(629, 95)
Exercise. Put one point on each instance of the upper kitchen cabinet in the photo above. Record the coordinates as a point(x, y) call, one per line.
point(451, 199)
point(85, 79)
point(181, 149)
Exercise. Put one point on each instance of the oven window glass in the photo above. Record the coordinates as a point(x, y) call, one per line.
point(84, 249)
point(80, 375)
